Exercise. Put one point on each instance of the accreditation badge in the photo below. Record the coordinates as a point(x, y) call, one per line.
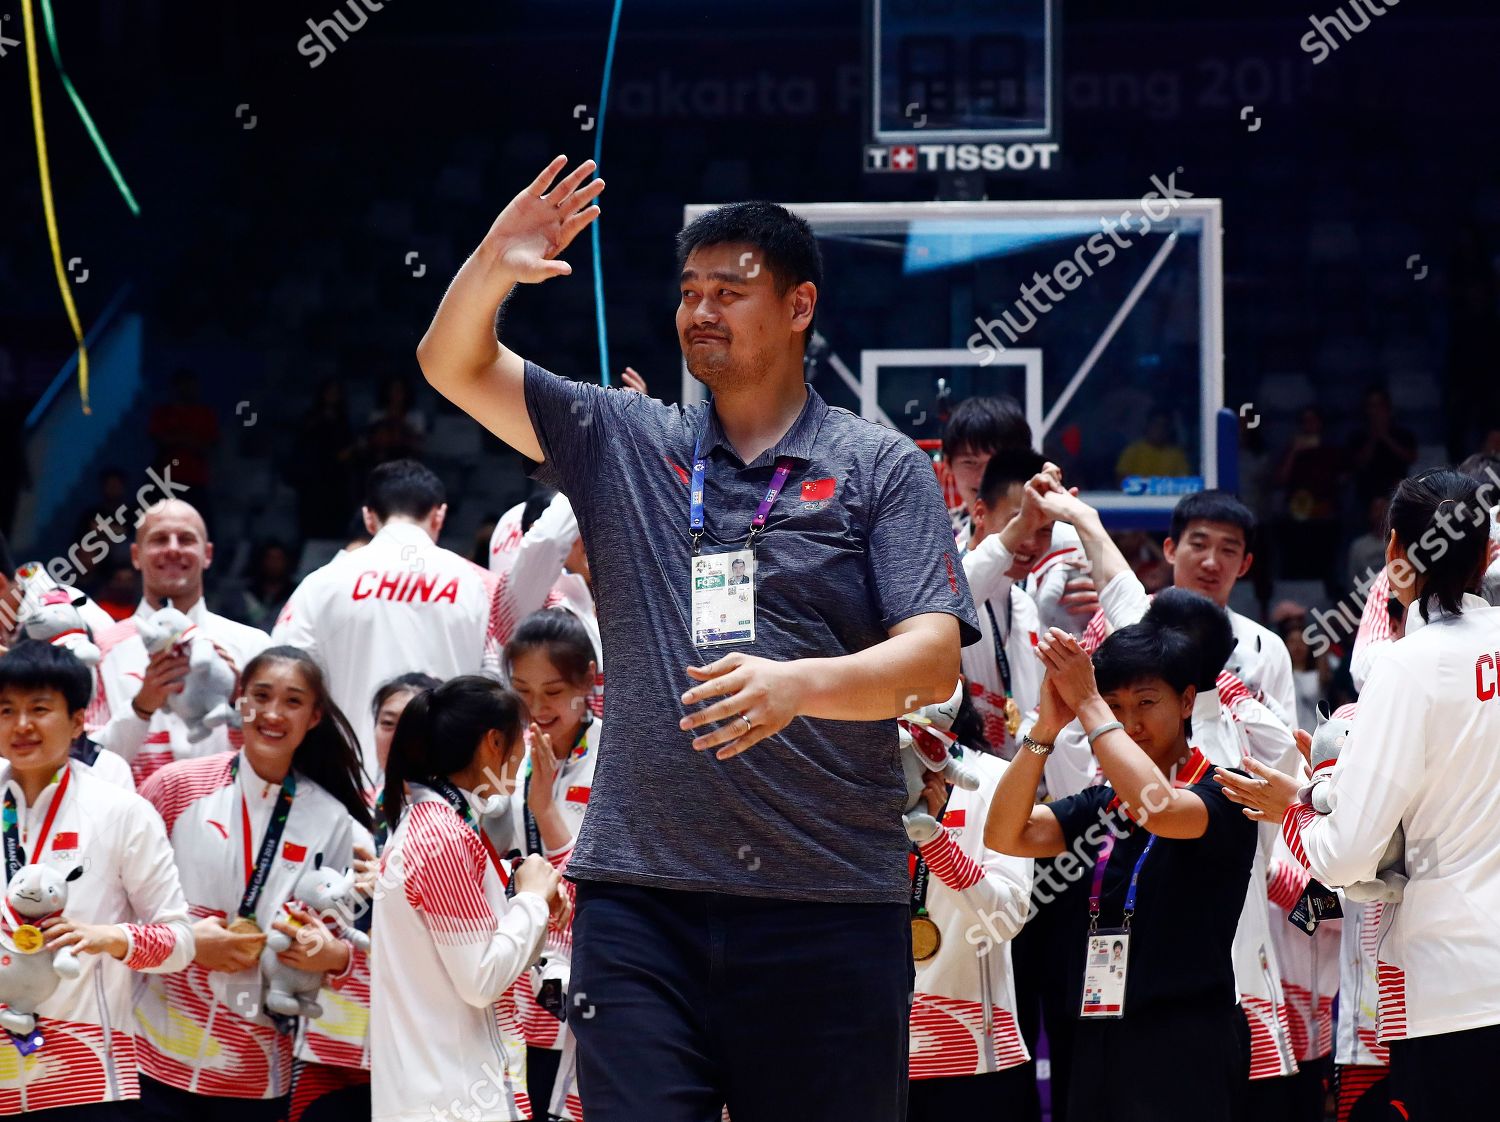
point(1104, 974)
point(723, 587)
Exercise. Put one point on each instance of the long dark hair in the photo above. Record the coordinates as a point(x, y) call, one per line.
point(441, 729)
point(329, 753)
point(1449, 550)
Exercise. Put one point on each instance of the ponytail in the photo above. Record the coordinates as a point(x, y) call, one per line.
point(440, 730)
point(1444, 530)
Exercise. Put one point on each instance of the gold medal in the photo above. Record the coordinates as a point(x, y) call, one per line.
point(245, 926)
point(1012, 716)
point(27, 938)
point(925, 938)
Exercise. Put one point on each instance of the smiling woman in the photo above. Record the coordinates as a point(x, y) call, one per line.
point(127, 914)
point(243, 827)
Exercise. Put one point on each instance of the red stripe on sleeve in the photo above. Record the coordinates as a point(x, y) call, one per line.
point(1285, 885)
point(949, 863)
point(1297, 819)
point(444, 864)
point(150, 944)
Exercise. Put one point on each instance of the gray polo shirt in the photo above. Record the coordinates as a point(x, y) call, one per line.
point(858, 541)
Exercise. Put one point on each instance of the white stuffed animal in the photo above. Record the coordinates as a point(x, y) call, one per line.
point(52, 616)
point(330, 895)
point(204, 702)
point(1328, 741)
point(928, 746)
point(29, 972)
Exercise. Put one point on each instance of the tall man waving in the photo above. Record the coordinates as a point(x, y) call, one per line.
point(738, 912)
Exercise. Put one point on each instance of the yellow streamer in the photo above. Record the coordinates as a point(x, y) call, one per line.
point(47, 207)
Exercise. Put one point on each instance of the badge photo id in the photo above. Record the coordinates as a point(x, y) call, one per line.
point(723, 587)
point(1104, 974)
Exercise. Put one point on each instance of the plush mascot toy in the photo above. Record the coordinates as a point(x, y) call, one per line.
point(29, 973)
point(928, 746)
point(1328, 741)
point(203, 703)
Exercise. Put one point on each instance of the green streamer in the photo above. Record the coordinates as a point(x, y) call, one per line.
point(88, 122)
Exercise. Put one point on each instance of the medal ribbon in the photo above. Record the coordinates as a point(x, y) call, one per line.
point(455, 798)
point(15, 853)
point(695, 506)
point(255, 874)
point(999, 640)
point(921, 875)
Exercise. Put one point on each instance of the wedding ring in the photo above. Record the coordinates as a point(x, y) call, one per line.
point(748, 726)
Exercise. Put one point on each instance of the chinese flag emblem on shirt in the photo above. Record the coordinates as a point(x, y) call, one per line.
point(577, 795)
point(66, 841)
point(815, 490)
point(291, 851)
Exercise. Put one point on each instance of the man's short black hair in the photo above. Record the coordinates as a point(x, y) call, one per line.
point(986, 425)
point(783, 242)
point(1205, 624)
point(1142, 652)
point(34, 665)
point(404, 487)
point(1212, 506)
point(1007, 467)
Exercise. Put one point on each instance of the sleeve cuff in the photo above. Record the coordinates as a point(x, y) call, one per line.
point(949, 863)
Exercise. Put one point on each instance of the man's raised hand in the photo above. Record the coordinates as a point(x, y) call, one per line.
point(539, 224)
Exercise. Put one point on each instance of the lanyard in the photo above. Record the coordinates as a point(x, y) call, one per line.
point(382, 827)
point(1000, 657)
point(455, 798)
point(1105, 852)
point(15, 854)
point(533, 831)
point(921, 875)
point(255, 875)
point(695, 511)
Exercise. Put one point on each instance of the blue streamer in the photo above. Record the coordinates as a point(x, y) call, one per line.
point(609, 63)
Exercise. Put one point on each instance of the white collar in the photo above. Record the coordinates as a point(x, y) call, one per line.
point(1415, 622)
point(402, 533)
point(198, 613)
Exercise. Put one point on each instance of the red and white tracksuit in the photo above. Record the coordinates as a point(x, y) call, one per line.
point(445, 1034)
point(963, 1017)
point(192, 1035)
point(130, 879)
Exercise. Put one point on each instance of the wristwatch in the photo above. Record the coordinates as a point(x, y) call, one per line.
point(1035, 746)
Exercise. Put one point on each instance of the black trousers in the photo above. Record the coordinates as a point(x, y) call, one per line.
point(1448, 1077)
point(163, 1103)
point(995, 1096)
point(1164, 1065)
point(541, 1074)
point(684, 1002)
point(1046, 994)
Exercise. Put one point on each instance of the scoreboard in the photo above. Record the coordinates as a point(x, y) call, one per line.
point(966, 75)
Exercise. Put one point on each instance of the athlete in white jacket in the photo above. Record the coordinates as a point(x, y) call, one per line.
point(244, 827)
point(124, 913)
point(1421, 755)
point(399, 604)
point(966, 1045)
point(445, 1034)
point(1003, 674)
